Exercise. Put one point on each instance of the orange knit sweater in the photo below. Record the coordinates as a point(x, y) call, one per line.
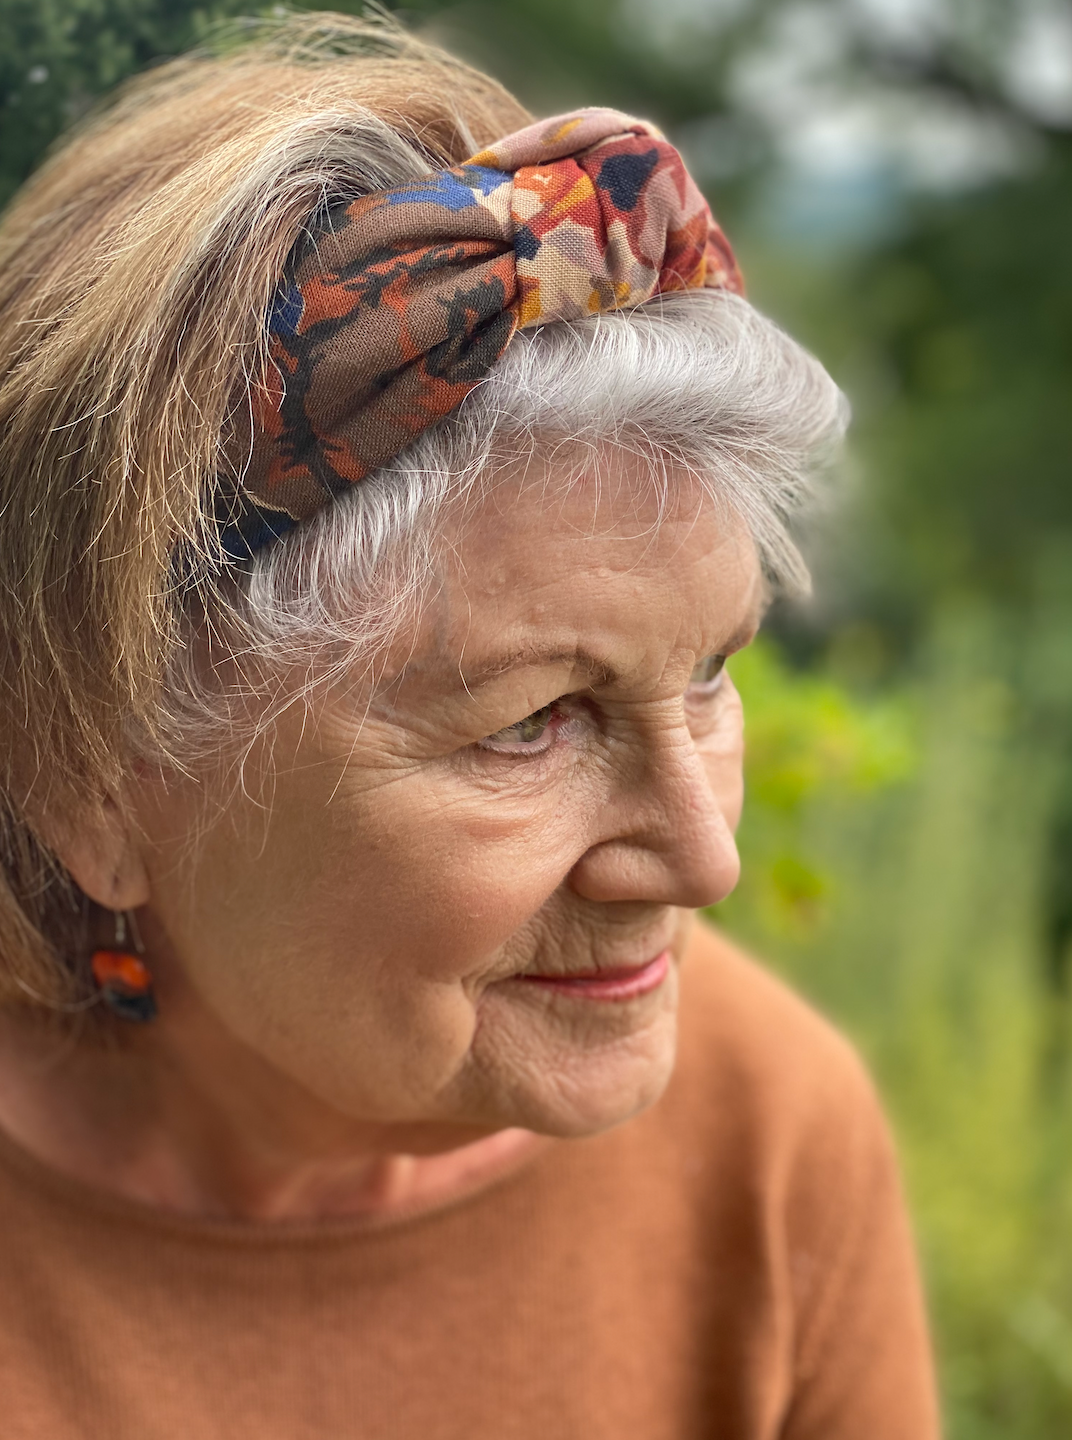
point(734, 1264)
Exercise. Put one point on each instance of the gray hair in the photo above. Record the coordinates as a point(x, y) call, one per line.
point(696, 382)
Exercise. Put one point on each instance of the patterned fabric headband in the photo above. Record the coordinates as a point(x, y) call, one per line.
point(401, 302)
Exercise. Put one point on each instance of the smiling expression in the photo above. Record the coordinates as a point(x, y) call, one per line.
point(463, 898)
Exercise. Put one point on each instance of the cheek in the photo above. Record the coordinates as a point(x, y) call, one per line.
point(416, 880)
point(363, 926)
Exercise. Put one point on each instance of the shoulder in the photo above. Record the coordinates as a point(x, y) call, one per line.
point(767, 1170)
point(746, 1036)
point(783, 1110)
point(777, 1099)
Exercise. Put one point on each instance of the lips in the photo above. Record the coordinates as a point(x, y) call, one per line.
point(624, 982)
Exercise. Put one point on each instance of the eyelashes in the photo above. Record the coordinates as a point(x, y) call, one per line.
point(530, 736)
point(707, 676)
point(535, 733)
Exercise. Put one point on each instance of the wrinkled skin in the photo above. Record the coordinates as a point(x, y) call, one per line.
point(345, 939)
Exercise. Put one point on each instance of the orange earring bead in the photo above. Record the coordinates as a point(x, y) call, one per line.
point(126, 984)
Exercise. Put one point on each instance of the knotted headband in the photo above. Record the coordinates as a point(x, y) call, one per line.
point(395, 306)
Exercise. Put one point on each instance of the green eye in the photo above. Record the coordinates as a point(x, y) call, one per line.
point(708, 673)
point(523, 732)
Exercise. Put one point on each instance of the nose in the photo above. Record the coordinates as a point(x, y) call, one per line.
point(669, 840)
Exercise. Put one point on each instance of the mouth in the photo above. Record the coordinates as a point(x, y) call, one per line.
point(623, 982)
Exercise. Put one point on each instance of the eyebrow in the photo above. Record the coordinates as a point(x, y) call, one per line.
point(600, 672)
point(531, 656)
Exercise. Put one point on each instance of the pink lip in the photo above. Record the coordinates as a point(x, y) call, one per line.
point(623, 983)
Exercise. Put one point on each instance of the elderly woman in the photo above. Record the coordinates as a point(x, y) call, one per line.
point(381, 500)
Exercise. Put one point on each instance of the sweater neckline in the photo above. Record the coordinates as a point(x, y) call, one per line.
point(67, 1191)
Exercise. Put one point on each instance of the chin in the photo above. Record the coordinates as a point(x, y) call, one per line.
point(571, 1090)
point(617, 1099)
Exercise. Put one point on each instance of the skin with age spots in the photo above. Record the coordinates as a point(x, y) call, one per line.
point(547, 787)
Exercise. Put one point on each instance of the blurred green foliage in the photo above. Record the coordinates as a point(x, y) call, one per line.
point(57, 56)
point(907, 840)
point(912, 839)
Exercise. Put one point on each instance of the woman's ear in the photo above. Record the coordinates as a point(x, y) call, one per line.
point(103, 857)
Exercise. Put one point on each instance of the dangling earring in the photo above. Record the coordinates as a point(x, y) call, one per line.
point(123, 976)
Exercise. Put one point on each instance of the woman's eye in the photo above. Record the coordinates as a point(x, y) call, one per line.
point(707, 676)
point(523, 734)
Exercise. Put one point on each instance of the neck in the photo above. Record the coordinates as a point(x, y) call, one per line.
point(178, 1117)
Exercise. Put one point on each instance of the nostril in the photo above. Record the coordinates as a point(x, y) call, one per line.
point(696, 867)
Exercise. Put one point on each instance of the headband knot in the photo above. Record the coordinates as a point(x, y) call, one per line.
point(395, 306)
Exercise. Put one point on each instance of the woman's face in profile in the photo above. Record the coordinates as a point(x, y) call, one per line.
point(403, 908)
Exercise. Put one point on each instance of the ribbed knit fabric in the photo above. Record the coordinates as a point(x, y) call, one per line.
point(734, 1264)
